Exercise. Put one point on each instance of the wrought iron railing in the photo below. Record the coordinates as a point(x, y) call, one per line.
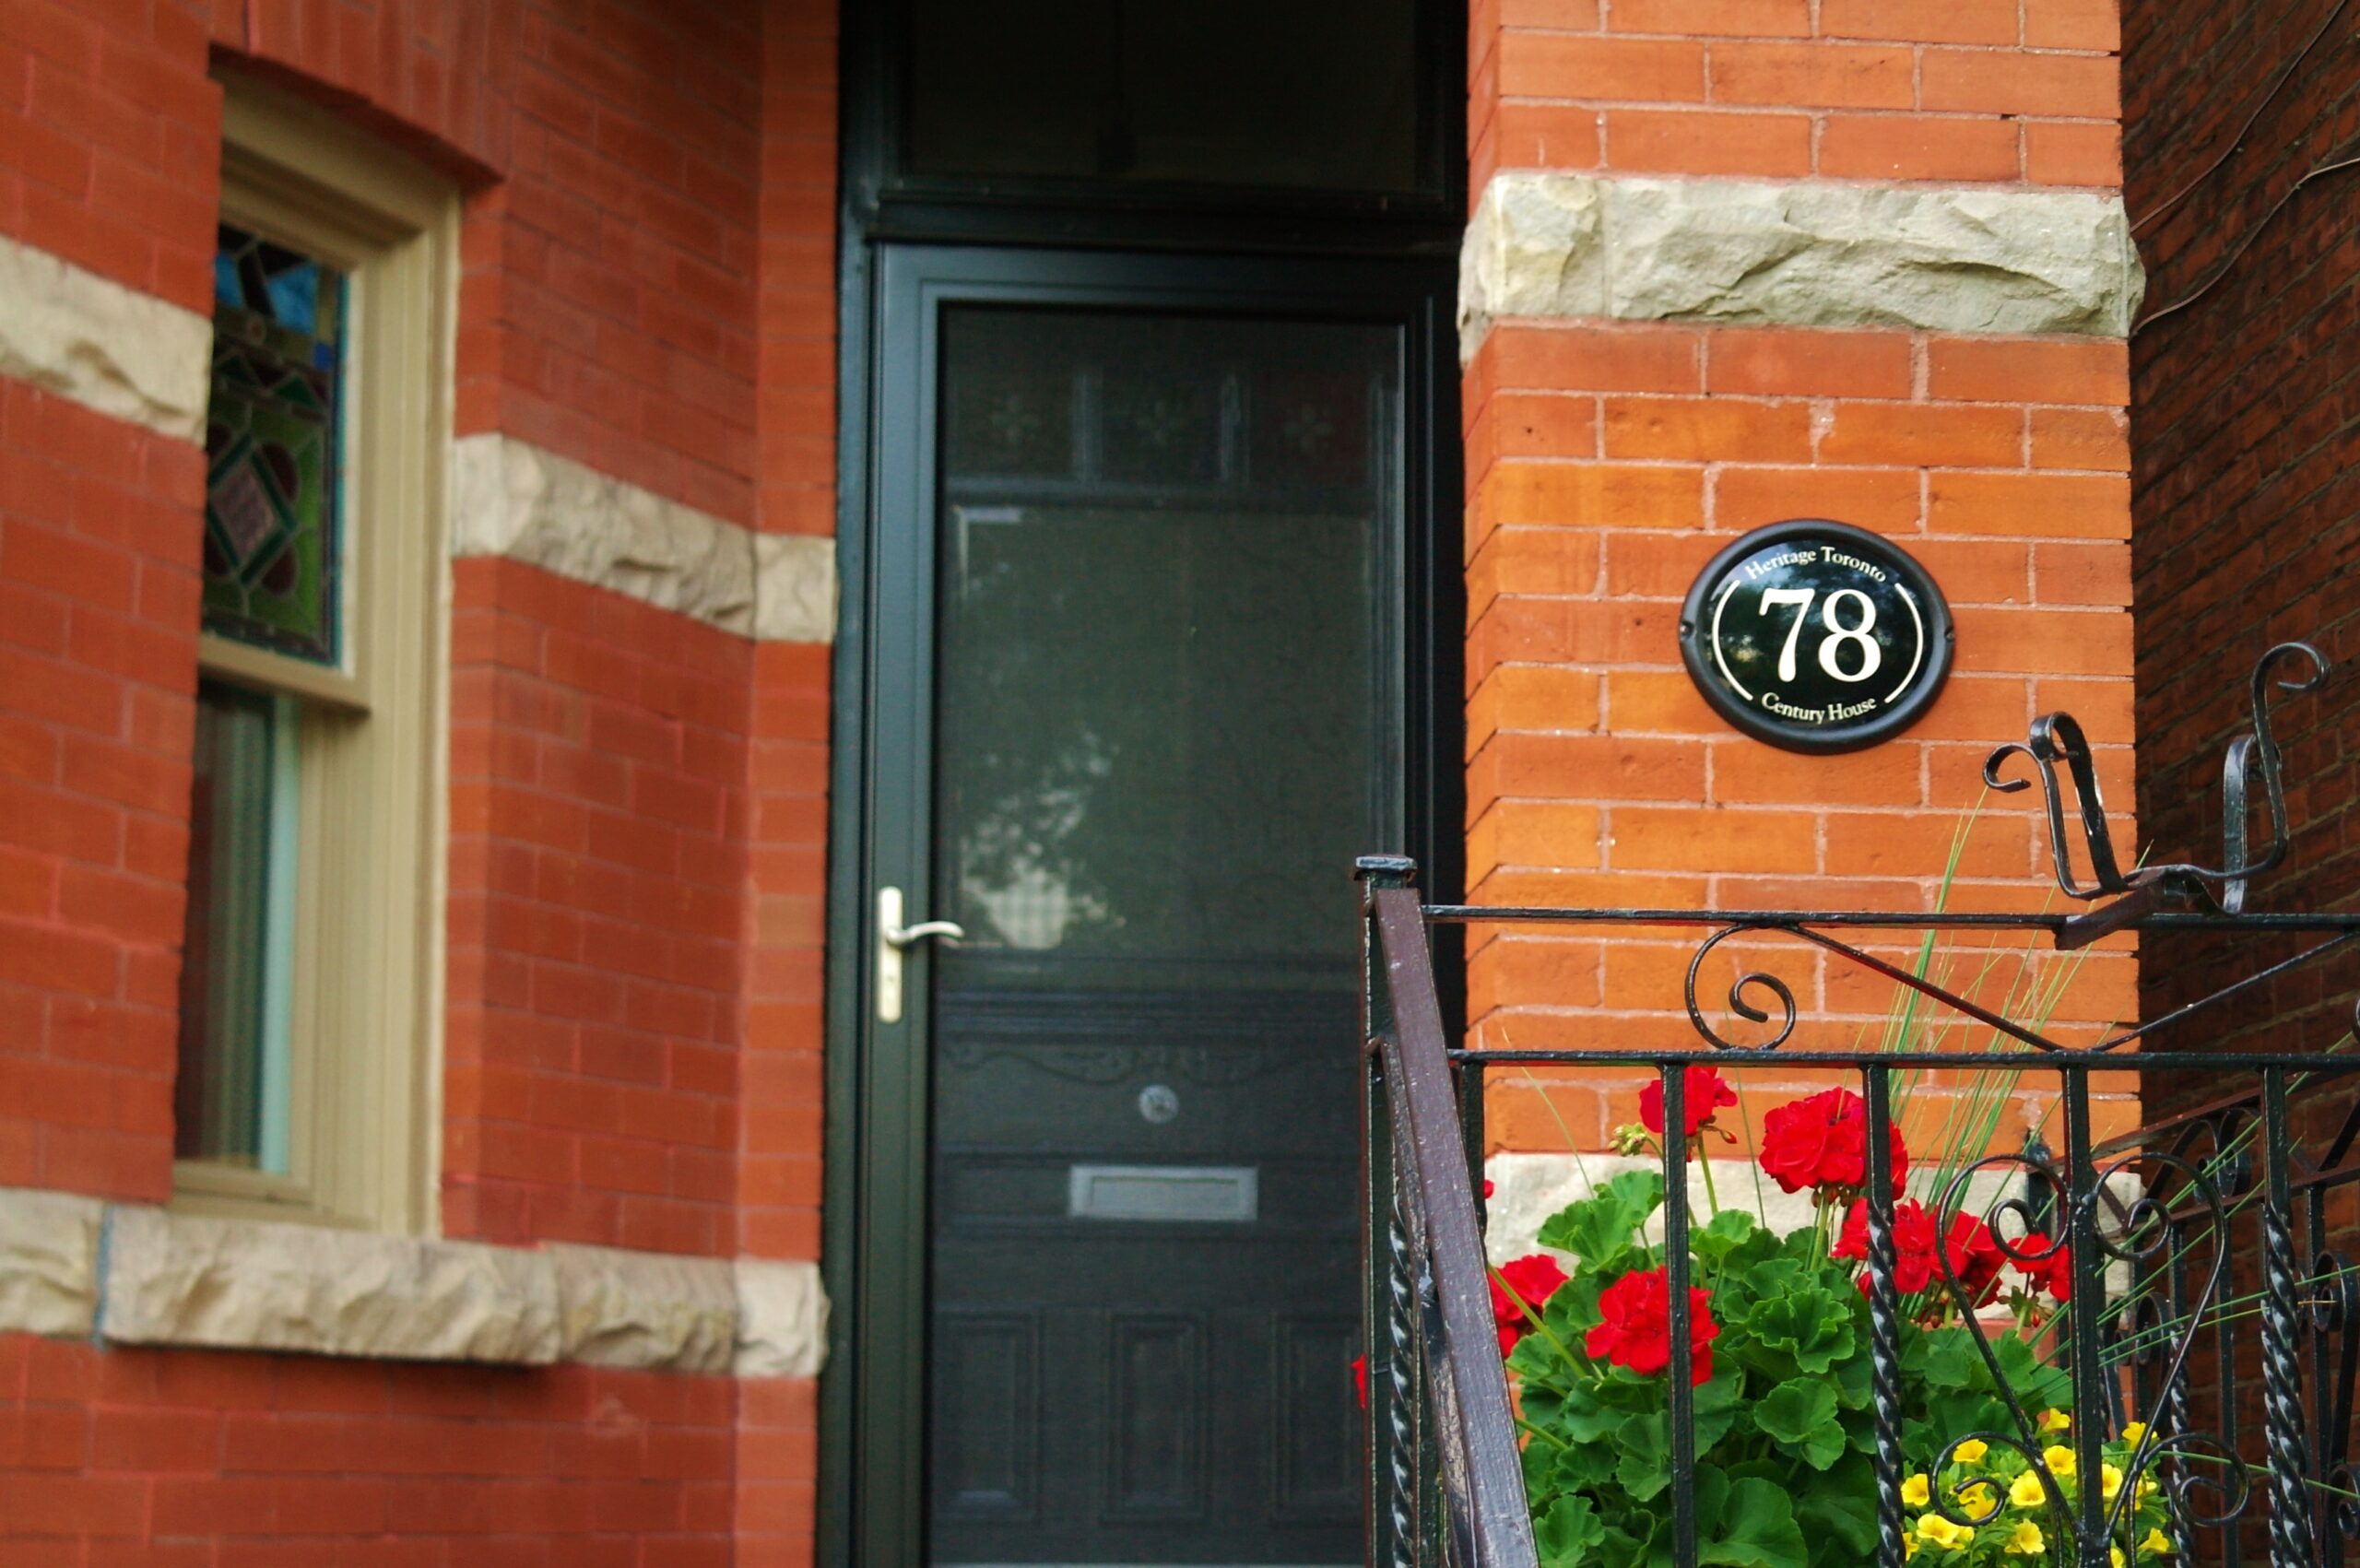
point(2203, 1257)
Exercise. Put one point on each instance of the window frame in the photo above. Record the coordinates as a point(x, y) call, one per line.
point(365, 1024)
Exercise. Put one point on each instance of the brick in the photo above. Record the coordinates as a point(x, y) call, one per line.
point(1773, 361)
point(2053, 370)
point(1883, 499)
point(2072, 154)
point(2080, 438)
point(1688, 838)
point(1706, 430)
point(1912, 146)
point(1999, 82)
point(1921, 21)
point(1564, 66)
point(2074, 24)
point(1712, 19)
point(1813, 75)
point(1885, 434)
point(1581, 358)
point(1705, 142)
point(1526, 135)
point(2052, 505)
point(1569, 495)
point(1535, 833)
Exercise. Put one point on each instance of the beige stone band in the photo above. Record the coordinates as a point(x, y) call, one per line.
point(93, 341)
point(1813, 253)
point(516, 501)
point(137, 1274)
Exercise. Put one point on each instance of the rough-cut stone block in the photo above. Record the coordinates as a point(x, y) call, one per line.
point(646, 1310)
point(180, 1280)
point(108, 348)
point(48, 1262)
point(794, 588)
point(517, 502)
point(782, 1319)
point(1813, 253)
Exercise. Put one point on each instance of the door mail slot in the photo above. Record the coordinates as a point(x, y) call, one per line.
point(1189, 1195)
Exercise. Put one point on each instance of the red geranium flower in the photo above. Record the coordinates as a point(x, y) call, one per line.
point(1824, 1142)
point(1913, 1244)
point(1975, 1257)
point(1703, 1091)
point(1532, 1280)
point(1359, 1379)
point(2053, 1273)
point(1636, 1330)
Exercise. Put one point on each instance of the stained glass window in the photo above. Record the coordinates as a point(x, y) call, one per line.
point(273, 532)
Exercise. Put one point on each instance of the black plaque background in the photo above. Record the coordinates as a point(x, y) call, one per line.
point(1763, 637)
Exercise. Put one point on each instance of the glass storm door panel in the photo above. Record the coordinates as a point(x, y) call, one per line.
point(1161, 588)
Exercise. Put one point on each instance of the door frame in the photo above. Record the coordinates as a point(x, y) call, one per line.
point(872, 1435)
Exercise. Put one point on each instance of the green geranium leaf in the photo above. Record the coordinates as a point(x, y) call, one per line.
point(1800, 1415)
point(1644, 1468)
point(1947, 1359)
point(1585, 1467)
point(1756, 1530)
point(1841, 1506)
point(1716, 1407)
point(1607, 1223)
point(1730, 1240)
point(1809, 1326)
point(1622, 1550)
point(1568, 1533)
point(2036, 1385)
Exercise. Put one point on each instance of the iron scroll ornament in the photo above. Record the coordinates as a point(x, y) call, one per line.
point(1816, 636)
point(2056, 738)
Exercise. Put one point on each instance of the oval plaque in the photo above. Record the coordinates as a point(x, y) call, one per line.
point(1816, 636)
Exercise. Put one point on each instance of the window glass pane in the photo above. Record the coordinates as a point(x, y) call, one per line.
point(273, 537)
point(1316, 95)
point(237, 967)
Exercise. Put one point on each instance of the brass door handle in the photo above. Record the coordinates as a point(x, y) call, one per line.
point(892, 936)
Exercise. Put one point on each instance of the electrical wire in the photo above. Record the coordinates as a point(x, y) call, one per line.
point(2253, 233)
point(2286, 74)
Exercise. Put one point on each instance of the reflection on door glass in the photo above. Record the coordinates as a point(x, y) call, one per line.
point(1156, 669)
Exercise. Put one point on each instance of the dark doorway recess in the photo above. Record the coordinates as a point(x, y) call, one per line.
point(1151, 623)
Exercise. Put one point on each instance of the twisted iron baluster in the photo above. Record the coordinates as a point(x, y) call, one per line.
point(1405, 1394)
point(1885, 1323)
point(2281, 1366)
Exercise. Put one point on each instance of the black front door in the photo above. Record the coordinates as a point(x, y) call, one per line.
point(1138, 622)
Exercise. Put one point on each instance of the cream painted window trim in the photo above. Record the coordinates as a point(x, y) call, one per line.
point(364, 1073)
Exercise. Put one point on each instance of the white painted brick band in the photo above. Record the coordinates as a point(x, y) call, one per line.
point(1811, 253)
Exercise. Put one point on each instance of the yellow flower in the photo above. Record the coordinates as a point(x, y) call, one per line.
point(2025, 1539)
point(1977, 1498)
point(2059, 1460)
point(2157, 1544)
point(2133, 1431)
point(2056, 1421)
point(2115, 1552)
point(1908, 1548)
point(2146, 1488)
point(2025, 1491)
point(1935, 1530)
point(1915, 1493)
point(2109, 1482)
point(1971, 1451)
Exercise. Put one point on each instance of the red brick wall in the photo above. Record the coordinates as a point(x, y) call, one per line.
point(2246, 452)
point(1606, 462)
point(637, 799)
point(598, 760)
point(1985, 90)
point(98, 680)
point(197, 1458)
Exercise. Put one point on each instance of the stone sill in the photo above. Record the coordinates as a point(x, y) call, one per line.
point(137, 1274)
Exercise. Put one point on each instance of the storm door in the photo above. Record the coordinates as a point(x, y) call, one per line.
point(1138, 605)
